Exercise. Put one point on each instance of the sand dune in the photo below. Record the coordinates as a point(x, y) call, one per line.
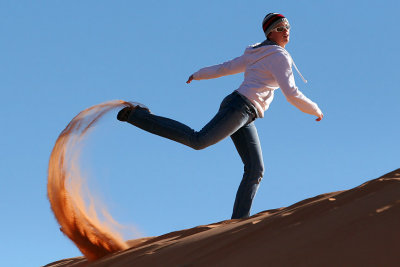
point(357, 227)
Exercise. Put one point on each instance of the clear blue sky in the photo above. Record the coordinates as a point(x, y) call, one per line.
point(60, 57)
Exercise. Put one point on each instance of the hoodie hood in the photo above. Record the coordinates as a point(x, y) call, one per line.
point(266, 42)
point(258, 51)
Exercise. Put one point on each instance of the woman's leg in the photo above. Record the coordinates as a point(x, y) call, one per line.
point(232, 115)
point(248, 145)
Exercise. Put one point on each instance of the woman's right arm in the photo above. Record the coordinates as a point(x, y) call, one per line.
point(230, 67)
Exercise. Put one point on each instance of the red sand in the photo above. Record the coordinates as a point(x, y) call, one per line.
point(357, 227)
point(79, 220)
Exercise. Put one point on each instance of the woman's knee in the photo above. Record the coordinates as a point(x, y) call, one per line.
point(199, 145)
point(255, 172)
point(199, 141)
point(260, 172)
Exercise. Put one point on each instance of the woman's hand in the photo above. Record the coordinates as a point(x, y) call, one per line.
point(320, 118)
point(190, 79)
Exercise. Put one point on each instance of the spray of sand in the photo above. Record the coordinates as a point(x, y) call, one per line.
point(78, 219)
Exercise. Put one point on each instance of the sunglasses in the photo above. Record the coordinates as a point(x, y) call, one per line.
point(281, 29)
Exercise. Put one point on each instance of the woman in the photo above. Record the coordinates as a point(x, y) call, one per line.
point(266, 67)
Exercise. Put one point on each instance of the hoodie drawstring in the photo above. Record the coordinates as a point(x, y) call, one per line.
point(294, 64)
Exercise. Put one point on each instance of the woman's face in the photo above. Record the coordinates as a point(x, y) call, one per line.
point(280, 37)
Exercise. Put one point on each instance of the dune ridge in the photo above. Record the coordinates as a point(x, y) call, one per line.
point(356, 227)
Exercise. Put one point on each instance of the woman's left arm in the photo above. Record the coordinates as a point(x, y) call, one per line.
point(284, 76)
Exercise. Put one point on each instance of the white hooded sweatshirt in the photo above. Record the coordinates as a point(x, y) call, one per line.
point(266, 67)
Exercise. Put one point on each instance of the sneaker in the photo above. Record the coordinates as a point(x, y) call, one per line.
point(139, 105)
point(123, 114)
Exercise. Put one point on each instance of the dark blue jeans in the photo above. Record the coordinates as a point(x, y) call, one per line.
point(235, 118)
